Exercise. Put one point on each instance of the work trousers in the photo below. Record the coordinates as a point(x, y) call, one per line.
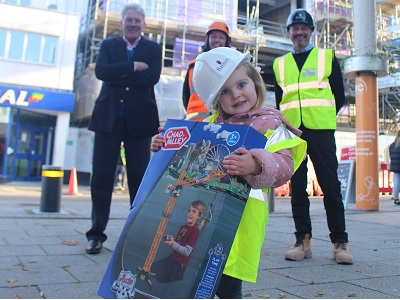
point(229, 288)
point(105, 157)
point(321, 148)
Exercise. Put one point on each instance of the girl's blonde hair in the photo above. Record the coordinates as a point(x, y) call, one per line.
point(255, 76)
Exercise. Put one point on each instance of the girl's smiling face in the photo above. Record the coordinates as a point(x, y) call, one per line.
point(238, 94)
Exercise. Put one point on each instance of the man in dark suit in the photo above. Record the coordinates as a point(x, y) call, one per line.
point(125, 111)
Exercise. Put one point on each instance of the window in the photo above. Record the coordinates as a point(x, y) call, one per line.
point(33, 46)
point(3, 35)
point(20, 2)
point(16, 45)
point(26, 46)
point(49, 50)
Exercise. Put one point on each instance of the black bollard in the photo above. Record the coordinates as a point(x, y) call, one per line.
point(52, 178)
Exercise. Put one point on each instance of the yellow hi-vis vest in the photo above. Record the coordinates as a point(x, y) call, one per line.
point(244, 257)
point(307, 96)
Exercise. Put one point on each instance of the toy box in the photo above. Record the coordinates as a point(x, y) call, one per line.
point(189, 168)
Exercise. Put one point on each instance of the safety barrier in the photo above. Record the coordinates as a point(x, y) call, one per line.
point(385, 178)
point(385, 184)
point(283, 190)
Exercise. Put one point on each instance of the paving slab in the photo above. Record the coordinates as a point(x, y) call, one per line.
point(43, 255)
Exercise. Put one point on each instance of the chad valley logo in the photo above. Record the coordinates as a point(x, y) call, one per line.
point(176, 137)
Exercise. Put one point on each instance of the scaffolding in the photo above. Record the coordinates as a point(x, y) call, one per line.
point(334, 30)
point(179, 26)
point(180, 29)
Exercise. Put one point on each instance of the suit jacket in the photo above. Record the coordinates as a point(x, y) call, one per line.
point(122, 85)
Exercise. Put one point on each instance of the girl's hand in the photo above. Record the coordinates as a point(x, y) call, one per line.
point(241, 163)
point(158, 141)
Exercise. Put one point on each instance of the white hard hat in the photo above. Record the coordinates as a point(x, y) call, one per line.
point(212, 69)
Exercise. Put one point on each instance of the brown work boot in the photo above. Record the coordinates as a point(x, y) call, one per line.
point(300, 250)
point(341, 254)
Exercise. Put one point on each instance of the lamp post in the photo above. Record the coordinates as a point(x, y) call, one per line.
point(365, 66)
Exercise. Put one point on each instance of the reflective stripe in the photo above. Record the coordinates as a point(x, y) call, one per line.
point(49, 173)
point(308, 85)
point(305, 85)
point(307, 103)
point(321, 64)
point(281, 68)
point(257, 194)
point(317, 102)
point(282, 138)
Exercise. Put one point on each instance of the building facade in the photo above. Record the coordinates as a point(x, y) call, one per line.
point(258, 26)
point(48, 92)
point(38, 41)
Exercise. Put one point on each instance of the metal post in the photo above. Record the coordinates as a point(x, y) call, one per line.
point(271, 200)
point(52, 178)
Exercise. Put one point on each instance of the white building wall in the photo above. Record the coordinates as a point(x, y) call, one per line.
point(77, 6)
point(79, 151)
point(60, 138)
point(65, 26)
point(63, 23)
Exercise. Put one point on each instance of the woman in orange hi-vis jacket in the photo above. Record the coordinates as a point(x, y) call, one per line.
point(217, 35)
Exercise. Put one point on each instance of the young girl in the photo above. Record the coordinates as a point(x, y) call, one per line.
point(227, 83)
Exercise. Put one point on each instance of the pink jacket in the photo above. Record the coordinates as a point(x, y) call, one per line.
point(277, 168)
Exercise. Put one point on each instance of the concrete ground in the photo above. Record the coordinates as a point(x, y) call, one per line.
point(42, 255)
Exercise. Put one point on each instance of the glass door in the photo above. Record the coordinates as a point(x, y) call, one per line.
point(29, 153)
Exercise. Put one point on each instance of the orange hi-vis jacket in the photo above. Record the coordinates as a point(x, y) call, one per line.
point(195, 110)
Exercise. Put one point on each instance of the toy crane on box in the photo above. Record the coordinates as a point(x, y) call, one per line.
point(175, 190)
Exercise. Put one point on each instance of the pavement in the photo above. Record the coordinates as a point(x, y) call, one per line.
point(42, 255)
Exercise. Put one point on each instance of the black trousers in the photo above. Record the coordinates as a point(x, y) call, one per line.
point(321, 148)
point(105, 157)
point(229, 288)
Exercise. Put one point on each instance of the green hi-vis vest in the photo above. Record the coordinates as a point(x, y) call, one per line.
point(307, 96)
point(122, 153)
point(244, 257)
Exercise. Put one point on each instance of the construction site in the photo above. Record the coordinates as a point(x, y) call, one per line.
point(256, 26)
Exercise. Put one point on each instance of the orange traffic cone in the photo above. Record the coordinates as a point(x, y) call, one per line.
point(73, 183)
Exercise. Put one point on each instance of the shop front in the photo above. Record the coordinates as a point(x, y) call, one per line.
point(33, 130)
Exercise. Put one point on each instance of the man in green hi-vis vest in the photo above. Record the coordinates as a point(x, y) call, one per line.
point(120, 172)
point(309, 91)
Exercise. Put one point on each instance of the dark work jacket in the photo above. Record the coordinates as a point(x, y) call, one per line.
point(122, 85)
point(394, 157)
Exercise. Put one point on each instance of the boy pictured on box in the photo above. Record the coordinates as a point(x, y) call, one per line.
point(173, 266)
